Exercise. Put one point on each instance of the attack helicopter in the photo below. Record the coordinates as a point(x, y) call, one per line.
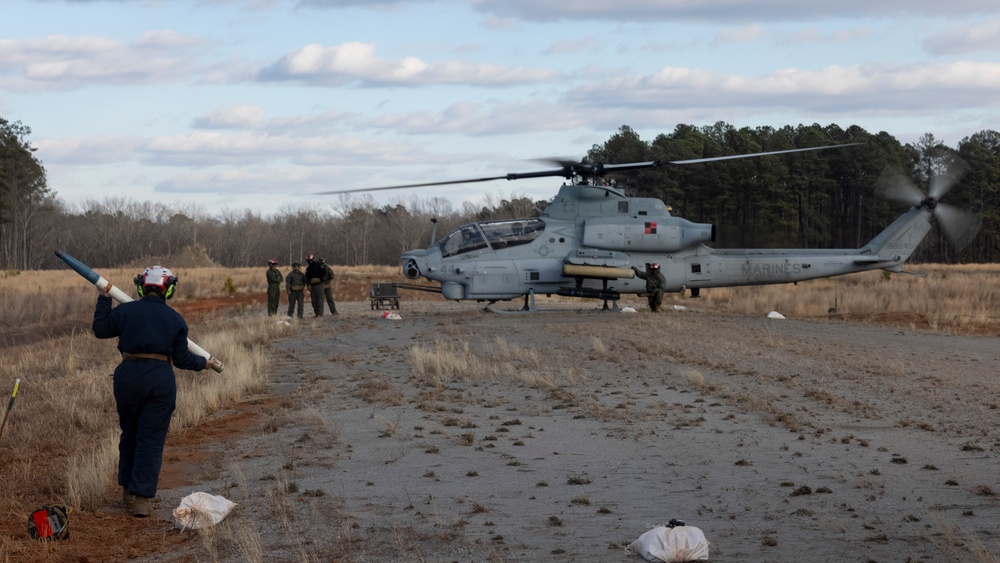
point(585, 243)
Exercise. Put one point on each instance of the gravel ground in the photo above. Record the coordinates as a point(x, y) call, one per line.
point(571, 432)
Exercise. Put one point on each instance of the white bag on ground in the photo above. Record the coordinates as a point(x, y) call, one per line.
point(202, 510)
point(673, 545)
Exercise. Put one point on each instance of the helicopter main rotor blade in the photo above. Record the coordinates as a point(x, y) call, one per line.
point(445, 183)
point(569, 169)
point(602, 169)
point(755, 154)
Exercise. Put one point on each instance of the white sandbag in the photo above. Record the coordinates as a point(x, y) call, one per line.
point(202, 510)
point(672, 545)
point(775, 315)
point(628, 310)
point(391, 316)
point(680, 308)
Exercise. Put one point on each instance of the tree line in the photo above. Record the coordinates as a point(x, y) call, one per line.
point(821, 199)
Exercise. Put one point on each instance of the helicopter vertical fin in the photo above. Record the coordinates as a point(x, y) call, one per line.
point(898, 241)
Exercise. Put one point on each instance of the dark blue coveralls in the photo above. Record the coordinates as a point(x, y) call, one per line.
point(145, 389)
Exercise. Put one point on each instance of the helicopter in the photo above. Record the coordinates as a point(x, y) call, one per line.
point(589, 238)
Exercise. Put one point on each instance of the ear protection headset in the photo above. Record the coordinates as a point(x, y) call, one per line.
point(156, 276)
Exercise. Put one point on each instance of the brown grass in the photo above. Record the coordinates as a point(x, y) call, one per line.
point(60, 442)
point(956, 298)
point(68, 454)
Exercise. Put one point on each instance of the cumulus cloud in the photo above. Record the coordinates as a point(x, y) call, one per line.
point(66, 62)
point(357, 63)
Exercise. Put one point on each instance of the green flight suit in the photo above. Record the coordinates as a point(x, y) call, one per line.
point(274, 279)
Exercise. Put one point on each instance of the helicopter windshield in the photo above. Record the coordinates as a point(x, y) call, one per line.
point(499, 234)
point(462, 240)
point(503, 234)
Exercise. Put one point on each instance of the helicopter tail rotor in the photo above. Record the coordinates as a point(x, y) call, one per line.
point(959, 226)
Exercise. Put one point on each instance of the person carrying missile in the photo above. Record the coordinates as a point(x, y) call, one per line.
point(274, 279)
point(315, 273)
point(656, 284)
point(295, 285)
point(328, 286)
point(152, 339)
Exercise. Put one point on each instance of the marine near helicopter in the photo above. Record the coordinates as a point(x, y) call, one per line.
point(585, 243)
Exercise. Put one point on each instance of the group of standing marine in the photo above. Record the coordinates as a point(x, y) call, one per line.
point(318, 277)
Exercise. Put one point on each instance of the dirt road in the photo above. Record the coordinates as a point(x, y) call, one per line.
point(455, 434)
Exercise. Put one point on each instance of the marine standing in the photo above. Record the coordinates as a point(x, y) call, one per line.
point(656, 284)
point(328, 286)
point(295, 285)
point(152, 338)
point(315, 272)
point(274, 279)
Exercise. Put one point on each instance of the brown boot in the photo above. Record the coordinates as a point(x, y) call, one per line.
point(127, 498)
point(142, 507)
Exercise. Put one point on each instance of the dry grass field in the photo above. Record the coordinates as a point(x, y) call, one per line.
point(301, 403)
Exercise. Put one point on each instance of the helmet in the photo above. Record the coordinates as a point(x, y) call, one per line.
point(309, 257)
point(156, 276)
point(295, 264)
point(322, 260)
point(272, 262)
point(654, 266)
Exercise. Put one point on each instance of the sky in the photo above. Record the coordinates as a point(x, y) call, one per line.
point(235, 105)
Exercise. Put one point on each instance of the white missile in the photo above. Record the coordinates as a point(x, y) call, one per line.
point(122, 297)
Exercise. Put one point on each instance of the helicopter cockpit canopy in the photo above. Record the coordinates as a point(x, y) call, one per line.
point(493, 234)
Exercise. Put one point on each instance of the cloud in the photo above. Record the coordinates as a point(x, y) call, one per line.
point(502, 24)
point(244, 180)
point(813, 35)
point(870, 88)
point(66, 62)
point(88, 151)
point(478, 120)
point(727, 10)
point(210, 148)
point(574, 46)
point(231, 117)
point(964, 39)
point(331, 4)
point(357, 63)
point(742, 34)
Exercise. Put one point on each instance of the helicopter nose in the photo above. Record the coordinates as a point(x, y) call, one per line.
point(411, 270)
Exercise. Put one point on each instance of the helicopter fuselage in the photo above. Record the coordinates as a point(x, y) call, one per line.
point(589, 238)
